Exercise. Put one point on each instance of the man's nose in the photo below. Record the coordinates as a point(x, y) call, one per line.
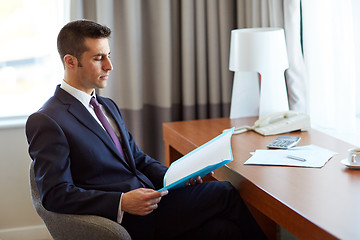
point(108, 65)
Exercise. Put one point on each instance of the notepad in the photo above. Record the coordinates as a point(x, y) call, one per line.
point(313, 156)
point(199, 162)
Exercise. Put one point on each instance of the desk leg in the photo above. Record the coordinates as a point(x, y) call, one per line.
point(269, 227)
point(171, 154)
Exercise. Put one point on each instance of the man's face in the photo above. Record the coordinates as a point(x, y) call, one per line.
point(94, 65)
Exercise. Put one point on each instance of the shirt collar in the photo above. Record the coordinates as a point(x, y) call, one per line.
point(83, 97)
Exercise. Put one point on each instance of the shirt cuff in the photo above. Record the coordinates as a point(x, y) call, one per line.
point(120, 212)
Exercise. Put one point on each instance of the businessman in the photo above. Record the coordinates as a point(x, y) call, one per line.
point(87, 162)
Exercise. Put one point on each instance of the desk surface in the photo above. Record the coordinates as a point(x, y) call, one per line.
point(311, 203)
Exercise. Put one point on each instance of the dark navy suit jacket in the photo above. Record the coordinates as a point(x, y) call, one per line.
point(77, 167)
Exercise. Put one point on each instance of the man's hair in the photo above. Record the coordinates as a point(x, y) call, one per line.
point(71, 38)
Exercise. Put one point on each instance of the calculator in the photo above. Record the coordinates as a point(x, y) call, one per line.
point(284, 142)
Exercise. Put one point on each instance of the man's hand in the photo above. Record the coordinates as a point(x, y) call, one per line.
point(198, 180)
point(141, 201)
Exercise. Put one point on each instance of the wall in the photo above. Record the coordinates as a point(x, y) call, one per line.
point(18, 219)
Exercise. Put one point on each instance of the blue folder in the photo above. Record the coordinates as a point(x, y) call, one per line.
point(181, 182)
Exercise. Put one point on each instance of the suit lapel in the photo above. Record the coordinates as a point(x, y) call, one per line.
point(115, 114)
point(78, 110)
point(123, 132)
point(112, 109)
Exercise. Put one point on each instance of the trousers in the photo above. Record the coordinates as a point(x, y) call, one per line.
point(211, 210)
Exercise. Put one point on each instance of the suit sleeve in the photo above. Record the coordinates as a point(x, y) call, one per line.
point(150, 167)
point(49, 149)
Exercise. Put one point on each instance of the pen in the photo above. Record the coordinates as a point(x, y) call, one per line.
point(296, 158)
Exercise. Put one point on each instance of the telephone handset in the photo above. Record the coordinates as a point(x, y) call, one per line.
point(282, 122)
point(278, 123)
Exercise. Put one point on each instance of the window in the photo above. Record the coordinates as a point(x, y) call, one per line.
point(356, 26)
point(332, 55)
point(29, 63)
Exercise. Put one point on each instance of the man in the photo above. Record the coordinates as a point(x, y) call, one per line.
point(81, 167)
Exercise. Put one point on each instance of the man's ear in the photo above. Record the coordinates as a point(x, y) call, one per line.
point(70, 61)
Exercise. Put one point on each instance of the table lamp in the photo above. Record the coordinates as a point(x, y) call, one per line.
point(258, 58)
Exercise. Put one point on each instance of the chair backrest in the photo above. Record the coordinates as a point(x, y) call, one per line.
point(70, 226)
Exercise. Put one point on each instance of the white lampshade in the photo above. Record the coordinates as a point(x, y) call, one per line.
point(260, 50)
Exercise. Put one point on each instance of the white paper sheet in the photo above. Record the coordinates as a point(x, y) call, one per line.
point(315, 157)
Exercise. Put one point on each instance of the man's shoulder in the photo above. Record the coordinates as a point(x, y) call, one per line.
point(53, 107)
point(60, 100)
point(53, 104)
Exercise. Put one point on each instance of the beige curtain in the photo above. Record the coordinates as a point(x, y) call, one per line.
point(171, 57)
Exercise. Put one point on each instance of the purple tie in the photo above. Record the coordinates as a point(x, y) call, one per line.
point(106, 124)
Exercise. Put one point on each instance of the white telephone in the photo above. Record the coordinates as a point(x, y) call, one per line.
point(278, 123)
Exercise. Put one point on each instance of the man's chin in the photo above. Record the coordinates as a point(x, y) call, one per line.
point(103, 84)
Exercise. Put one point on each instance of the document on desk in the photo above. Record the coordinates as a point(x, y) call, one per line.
point(304, 156)
point(199, 162)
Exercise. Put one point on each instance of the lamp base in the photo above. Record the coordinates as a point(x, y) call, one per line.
point(273, 93)
point(245, 95)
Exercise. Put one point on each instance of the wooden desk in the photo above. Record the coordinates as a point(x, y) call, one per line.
point(311, 203)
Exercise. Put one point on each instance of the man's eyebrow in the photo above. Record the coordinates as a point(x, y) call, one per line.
point(101, 55)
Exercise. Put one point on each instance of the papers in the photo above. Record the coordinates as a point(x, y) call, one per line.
point(200, 161)
point(314, 156)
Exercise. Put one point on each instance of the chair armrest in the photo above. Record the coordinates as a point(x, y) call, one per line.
point(89, 227)
point(77, 227)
